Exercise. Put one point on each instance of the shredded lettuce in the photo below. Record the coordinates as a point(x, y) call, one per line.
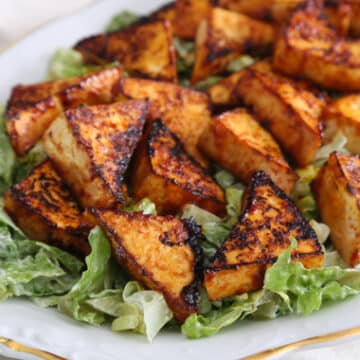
point(121, 21)
point(145, 206)
point(185, 57)
point(208, 82)
point(240, 63)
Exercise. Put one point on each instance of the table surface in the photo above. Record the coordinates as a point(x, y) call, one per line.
point(18, 17)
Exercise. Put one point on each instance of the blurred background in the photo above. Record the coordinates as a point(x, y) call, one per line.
point(19, 17)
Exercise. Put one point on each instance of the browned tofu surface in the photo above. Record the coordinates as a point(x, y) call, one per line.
point(237, 142)
point(146, 48)
point(166, 174)
point(291, 113)
point(32, 108)
point(184, 111)
point(160, 252)
point(265, 229)
point(91, 147)
point(165, 12)
point(308, 47)
point(337, 194)
point(42, 206)
point(224, 35)
point(343, 115)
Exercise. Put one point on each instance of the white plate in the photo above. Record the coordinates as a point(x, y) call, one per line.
point(21, 320)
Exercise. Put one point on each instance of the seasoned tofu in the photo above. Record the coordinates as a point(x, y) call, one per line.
point(165, 173)
point(267, 10)
point(165, 12)
point(146, 48)
point(188, 16)
point(291, 113)
point(184, 111)
point(237, 142)
point(32, 108)
point(343, 115)
point(309, 48)
point(337, 194)
point(91, 147)
point(265, 229)
point(160, 252)
point(224, 35)
point(43, 207)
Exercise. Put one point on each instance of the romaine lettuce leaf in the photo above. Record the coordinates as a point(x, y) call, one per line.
point(121, 21)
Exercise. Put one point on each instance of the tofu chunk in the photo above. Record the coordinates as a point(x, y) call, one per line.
point(309, 48)
point(343, 115)
point(267, 10)
point(145, 47)
point(32, 108)
point(91, 147)
point(265, 229)
point(165, 12)
point(171, 178)
point(224, 35)
point(291, 113)
point(160, 252)
point(43, 207)
point(237, 142)
point(184, 111)
point(337, 194)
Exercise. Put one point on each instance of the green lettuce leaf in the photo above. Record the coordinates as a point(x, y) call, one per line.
point(208, 82)
point(145, 206)
point(240, 63)
point(185, 56)
point(121, 21)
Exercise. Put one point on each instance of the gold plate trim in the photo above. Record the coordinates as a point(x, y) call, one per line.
point(41, 354)
point(281, 350)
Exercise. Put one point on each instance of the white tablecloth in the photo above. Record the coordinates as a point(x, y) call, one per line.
point(18, 17)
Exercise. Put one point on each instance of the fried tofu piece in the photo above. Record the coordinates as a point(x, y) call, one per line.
point(43, 207)
point(32, 108)
point(184, 111)
point(265, 229)
point(91, 147)
point(267, 10)
point(343, 115)
point(224, 35)
point(160, 252)
point(146, 48)
point(308, 47)
point(237, 142)
point(337, 194)
point(291, 113)
point(165, 12)
point(171, 178)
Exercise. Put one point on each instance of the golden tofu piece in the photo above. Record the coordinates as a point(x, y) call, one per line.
point(165, 12)
point(267, 10)
point(265, 229)
point(308, 47)
point(160, 252)
point(337, 194)
point(237, 142)
point(184, 111)
point(91, 147)
point(188, 16)
point(166, 174)
point(145, 47)
point(32, 108)
point(224, 35)
point(291, 113)
point(343, 115)
point(43, 207)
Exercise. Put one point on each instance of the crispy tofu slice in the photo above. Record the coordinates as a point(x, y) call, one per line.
point(171, 178)
point(184, 111)
point(161, 252)
point(91, 147)
point(32, 108)
point(145, 48)
point(43, 207)
point(224, 35)
point(237, 142)
point(337, 194)
point(267, 10)
point(308, 47)
point(265, 229)
point(165, 12)
point(291, 113)
point(343, 115)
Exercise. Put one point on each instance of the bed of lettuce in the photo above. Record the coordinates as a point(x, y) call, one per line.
point(97, 291)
